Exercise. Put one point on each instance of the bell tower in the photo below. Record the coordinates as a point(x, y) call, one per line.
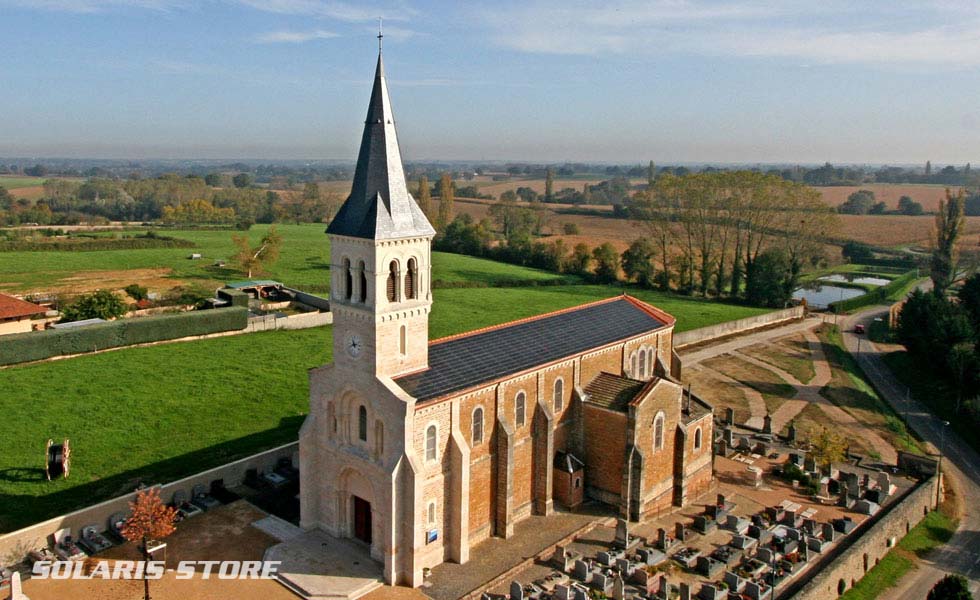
point(380, 256)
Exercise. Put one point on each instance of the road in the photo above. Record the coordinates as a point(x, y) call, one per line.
point(961, 464)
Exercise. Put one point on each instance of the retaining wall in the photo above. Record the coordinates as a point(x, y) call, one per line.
point(15, 545)
point(846, 567)
point(704, 334)
point(300, 321)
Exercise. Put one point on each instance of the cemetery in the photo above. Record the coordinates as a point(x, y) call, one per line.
point(763, 536)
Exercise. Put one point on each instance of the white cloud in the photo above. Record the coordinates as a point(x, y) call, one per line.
point(943, 32)
point(341, 11)
point(294, 37)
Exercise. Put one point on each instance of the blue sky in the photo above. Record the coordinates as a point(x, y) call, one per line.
point(545, 80)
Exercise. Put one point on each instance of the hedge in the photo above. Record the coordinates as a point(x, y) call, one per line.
point(25, 347)
point(892, 292)
point(91, 244)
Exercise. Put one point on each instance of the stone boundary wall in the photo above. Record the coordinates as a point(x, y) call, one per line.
point(704, 334)
point(301, 321)
point(863, 549)
point(15, 545)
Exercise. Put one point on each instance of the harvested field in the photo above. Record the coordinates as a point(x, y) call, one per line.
point(926, 194)
point(156, 280)
point(895, 230)
point(498, 187)
point(31, 193)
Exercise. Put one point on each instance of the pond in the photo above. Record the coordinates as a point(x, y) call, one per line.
point(864, 280)
point(819, 296)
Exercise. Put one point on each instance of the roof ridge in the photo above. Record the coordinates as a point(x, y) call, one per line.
point(667, 318)
point(457, 336)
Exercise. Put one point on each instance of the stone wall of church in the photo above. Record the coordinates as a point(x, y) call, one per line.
point(605, 441)
point(481, 461)
point(609, 360)
point(658, 465)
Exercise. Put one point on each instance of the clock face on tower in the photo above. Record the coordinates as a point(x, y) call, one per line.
point(354, 345)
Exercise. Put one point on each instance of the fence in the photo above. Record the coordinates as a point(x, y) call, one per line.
point(704, 334)
point(15, 545)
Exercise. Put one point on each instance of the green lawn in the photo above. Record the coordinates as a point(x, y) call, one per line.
point(12, 182)
point(933, 531)
point(162, 412)
point(303, 262)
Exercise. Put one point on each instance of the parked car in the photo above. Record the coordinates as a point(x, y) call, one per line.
point(859, 328)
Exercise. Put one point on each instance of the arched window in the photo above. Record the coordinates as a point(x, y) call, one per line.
point(649, 364)
point(519, 409)
point(362, 424)
point(432, 513)
point(363, 272)
point(348, 290)
point(393, 281)
point(559, 401)
point(643, 363)
point(697, 438)
point(634, 366)
point(658, 431)
point(403, 340)
point(411, 278)
point(477, 437)
point(430, 442)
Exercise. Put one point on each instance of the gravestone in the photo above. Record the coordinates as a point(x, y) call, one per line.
point(767, 423)
point(704, 524)
point(582, 572)
point(803, 553)
point(685, 591)
point(604, 558)
point(885, 483)
point(722, 449)
point(796, 458)
point(662, 542)
point(729, 436)
point(729, 416)
point(791, 432)
point(563, 592)
point(809, 464)
point(680, 533)
point(516, 591)
point(829, 532)
point(663, 590)
point(766, 555)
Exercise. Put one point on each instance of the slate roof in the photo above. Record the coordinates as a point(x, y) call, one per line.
point(613, 391)
point(379, 205)
point(15, 308)
point(461, 362)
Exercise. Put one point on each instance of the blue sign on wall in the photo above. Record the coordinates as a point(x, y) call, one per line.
point(431, 536)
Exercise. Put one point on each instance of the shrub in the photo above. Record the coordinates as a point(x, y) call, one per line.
point(570, 229)
point(101, 304)
point(136, 291)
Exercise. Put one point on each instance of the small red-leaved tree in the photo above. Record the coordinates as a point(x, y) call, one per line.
point(149, 519)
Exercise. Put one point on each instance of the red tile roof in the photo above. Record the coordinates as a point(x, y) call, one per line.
point(11, 308)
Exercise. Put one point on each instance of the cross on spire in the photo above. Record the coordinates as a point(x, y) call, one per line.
point(380, 35)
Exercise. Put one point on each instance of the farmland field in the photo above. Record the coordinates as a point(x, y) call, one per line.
point(303, 263)
point(217, 400)
point(12, 182)
point(928, 195)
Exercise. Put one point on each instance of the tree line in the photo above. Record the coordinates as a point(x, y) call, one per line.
point(738, 234)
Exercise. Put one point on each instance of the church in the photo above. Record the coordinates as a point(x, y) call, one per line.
point(421, 449)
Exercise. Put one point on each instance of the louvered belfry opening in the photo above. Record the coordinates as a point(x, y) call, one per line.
point(363, 271)
point(392, 281)
point(410, 280)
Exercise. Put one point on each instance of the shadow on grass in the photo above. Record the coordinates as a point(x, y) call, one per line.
point(21, 510)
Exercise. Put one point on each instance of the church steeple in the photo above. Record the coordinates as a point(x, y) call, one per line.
point(379, 206)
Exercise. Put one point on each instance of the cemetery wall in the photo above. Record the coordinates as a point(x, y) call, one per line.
point(859, 552)
point(704, 334)
point(15, 545)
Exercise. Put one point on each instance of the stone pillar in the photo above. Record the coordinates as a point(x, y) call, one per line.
point(459, 523)
point(543, 449)
point(504, 517)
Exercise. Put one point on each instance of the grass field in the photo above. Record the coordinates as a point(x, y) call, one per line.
point(303, 263)
point(12, 182)
point(215, 400)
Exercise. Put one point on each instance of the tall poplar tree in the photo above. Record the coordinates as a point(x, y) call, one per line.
point(446, 197)
point(949, 225)
point(425, 197)
point(549, 185)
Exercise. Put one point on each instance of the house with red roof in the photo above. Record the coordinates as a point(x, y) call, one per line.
point(16, 315)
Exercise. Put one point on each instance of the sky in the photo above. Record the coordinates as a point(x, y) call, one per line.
point(674, 81)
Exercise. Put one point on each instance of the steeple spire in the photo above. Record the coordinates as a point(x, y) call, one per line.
point(380, 35)
point(379, 205)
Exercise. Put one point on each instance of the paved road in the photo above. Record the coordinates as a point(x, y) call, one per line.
point(961, 464)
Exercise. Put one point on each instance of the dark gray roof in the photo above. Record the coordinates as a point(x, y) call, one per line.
point(379, 205)
point(567, 462)
point(613, 391)
point(462, 362)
